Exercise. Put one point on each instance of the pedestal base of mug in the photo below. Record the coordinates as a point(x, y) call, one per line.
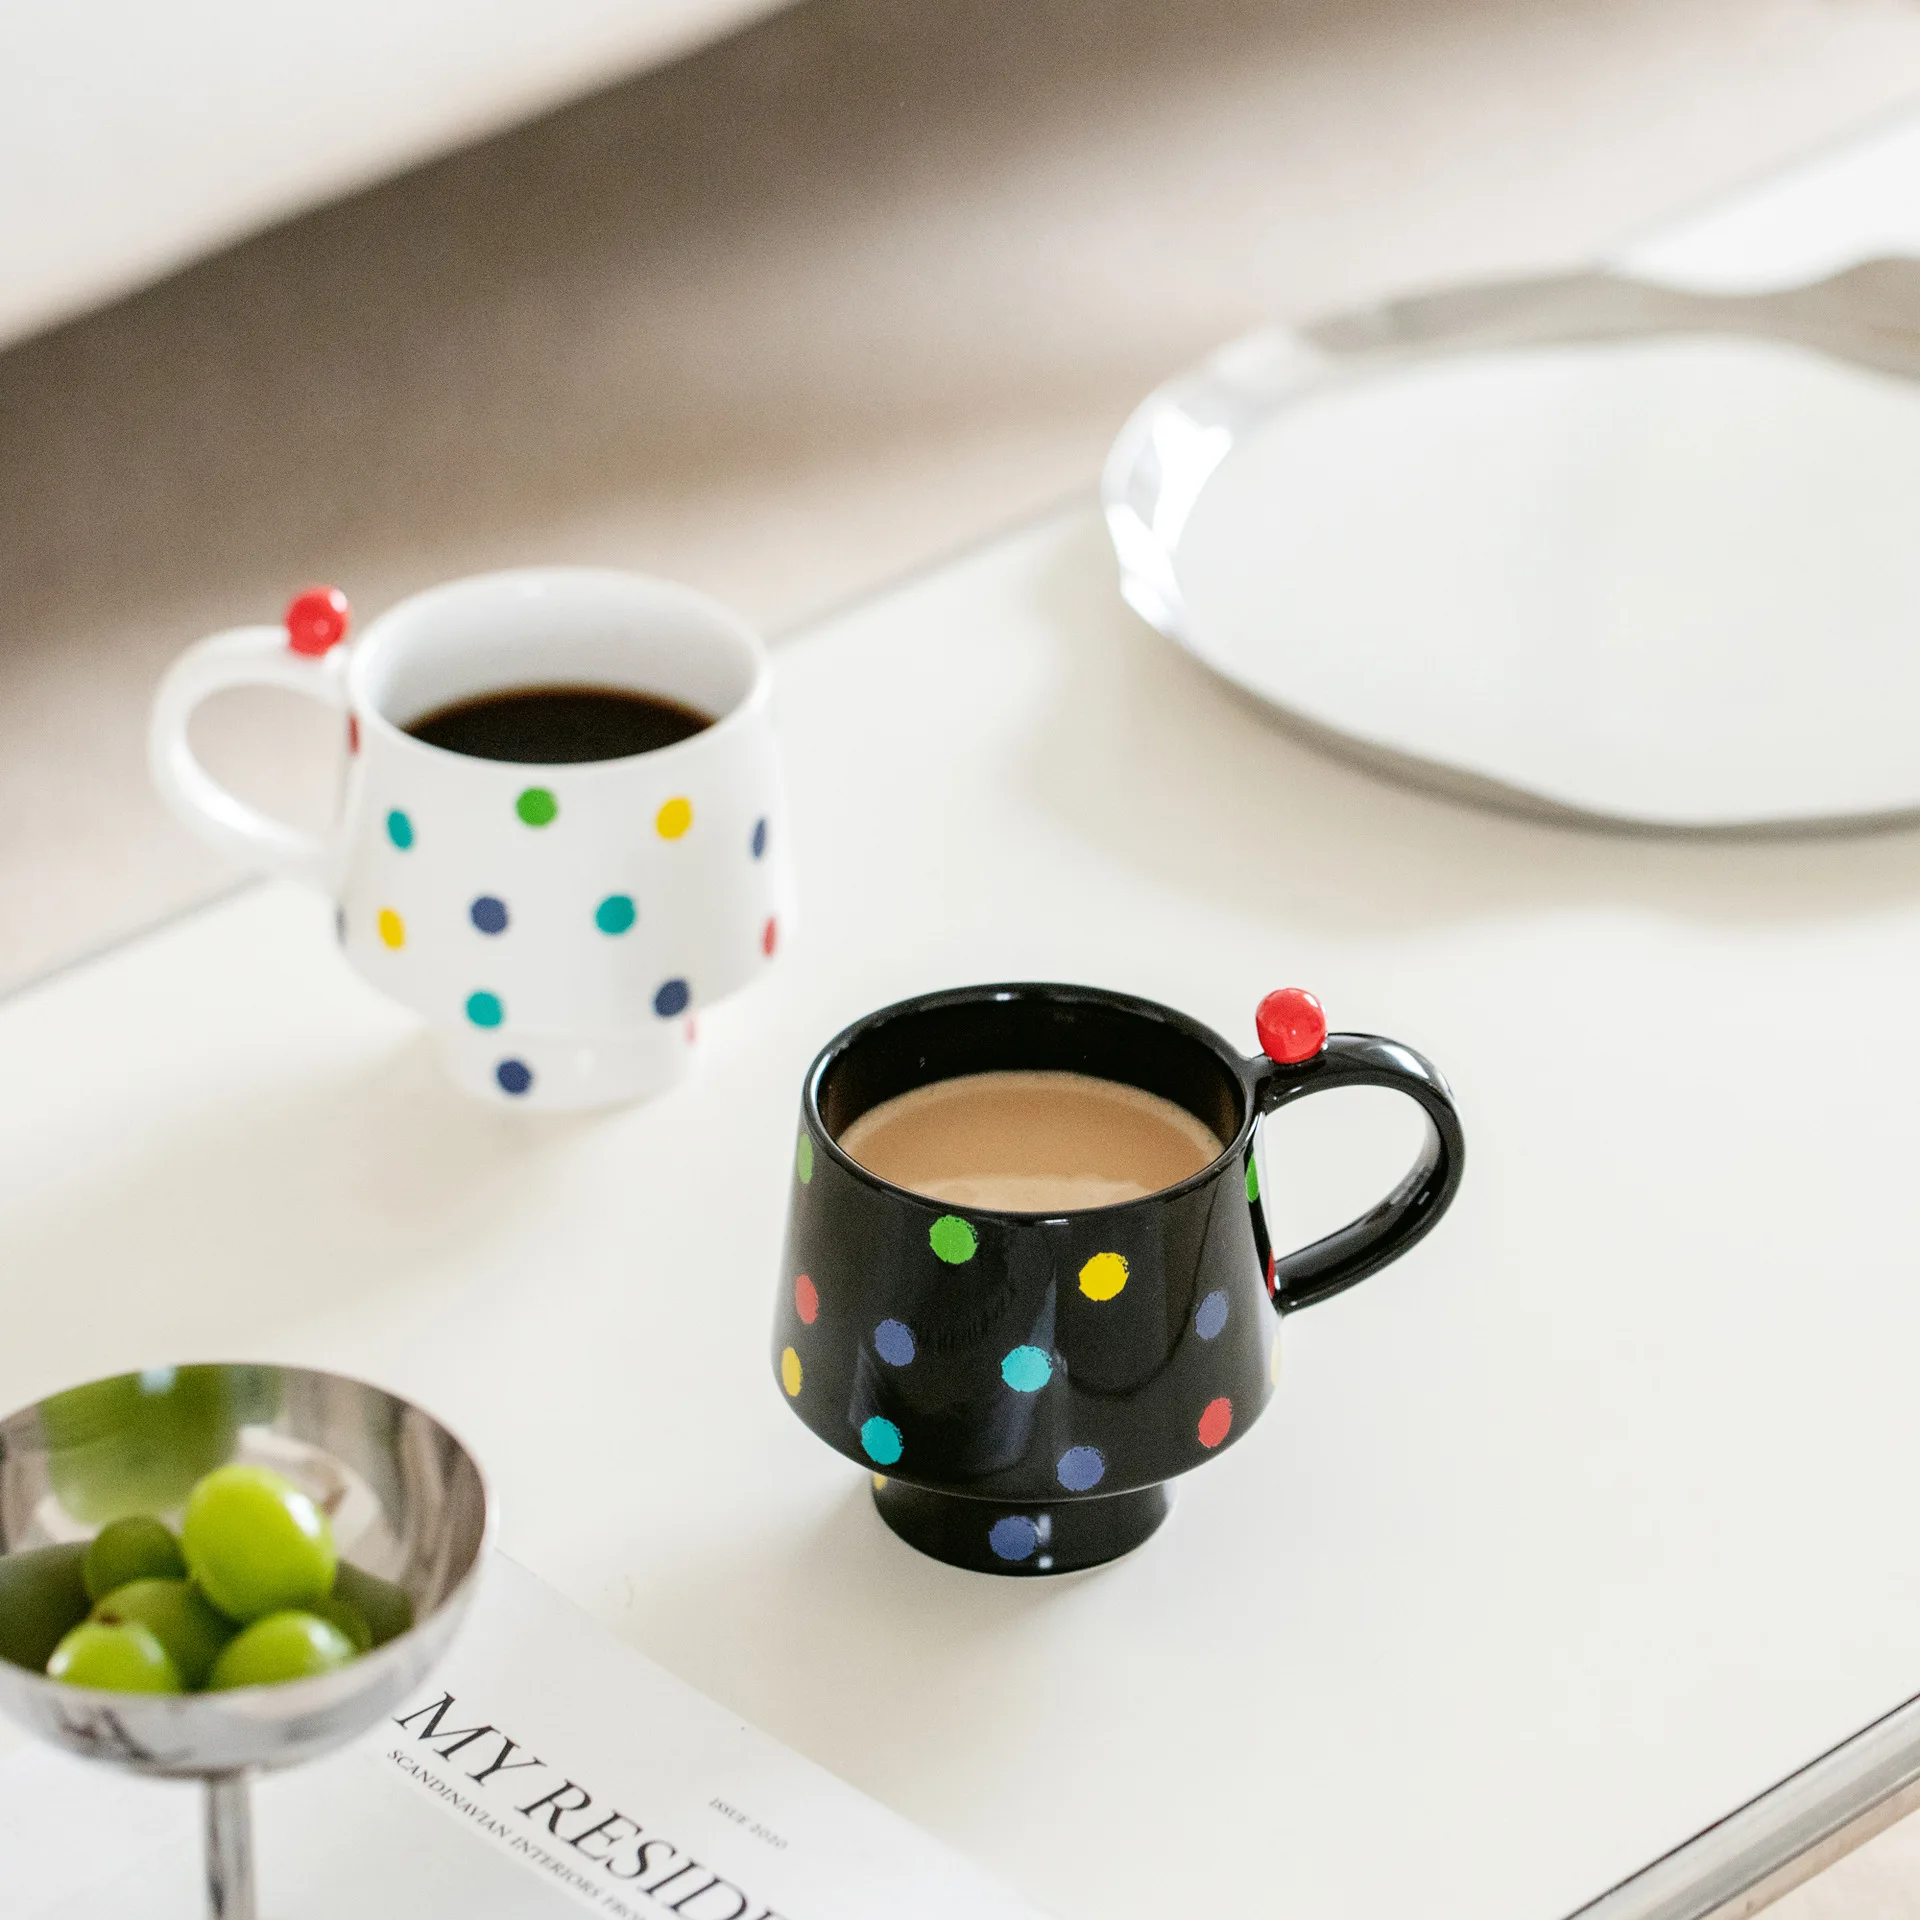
point(1007, 1537)
point(566, 1072)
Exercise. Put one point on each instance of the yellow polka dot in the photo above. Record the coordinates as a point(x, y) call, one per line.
point(790, 1373)
point(1273, 1365)
point(879, 1481)
point(393, 930)
point(1103, 1276)
point(674, 818)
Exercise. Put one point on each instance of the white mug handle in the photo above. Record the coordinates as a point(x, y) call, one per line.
point(243, 657)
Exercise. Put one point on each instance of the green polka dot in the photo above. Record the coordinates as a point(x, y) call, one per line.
point(485, 1010)
point(536, 806)
point(803, 1159)
point(1253, 1182)
point(952, 1239)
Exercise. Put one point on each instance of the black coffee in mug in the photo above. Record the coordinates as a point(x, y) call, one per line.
point(559, 726)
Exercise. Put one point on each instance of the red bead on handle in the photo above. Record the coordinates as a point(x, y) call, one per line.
point(317, 620)
point(1291, 1026)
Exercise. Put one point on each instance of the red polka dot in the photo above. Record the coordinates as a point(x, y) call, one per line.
point(693, 1029)
point(806, 1299)
point(1273, 1260)
point(769, 937)
point(316, 620)
point(353, 733)
point(1215, 1421)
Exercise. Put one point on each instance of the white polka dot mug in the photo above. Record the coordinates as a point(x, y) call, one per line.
point(556, 922)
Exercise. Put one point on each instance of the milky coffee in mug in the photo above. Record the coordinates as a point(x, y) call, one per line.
point(1031, 1142)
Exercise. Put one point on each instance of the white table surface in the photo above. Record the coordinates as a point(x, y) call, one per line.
point(1563, 1536)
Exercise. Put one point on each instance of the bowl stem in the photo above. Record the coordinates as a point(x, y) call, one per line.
point(230, 1848)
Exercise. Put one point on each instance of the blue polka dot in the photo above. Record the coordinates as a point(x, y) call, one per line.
point(1211, 1317)
point(488, 914)
point(881, 1438)
point(1080, 1468)
point(671, 999)
point(614, 914)
point(759, 838)
point(1013, 1538)
point(399, 829)
point(485, 1010)
point(893, 1342)
point(340, 925)
point(515, 1076)
point(1027, 1369)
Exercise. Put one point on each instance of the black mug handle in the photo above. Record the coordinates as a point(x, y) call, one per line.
point(1302, 1058)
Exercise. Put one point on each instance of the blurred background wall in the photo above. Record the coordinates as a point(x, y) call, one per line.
point(830, 296)
point(134, 137)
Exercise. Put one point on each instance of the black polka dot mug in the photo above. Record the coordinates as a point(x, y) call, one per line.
point(1024, 1385)
point(557, 925)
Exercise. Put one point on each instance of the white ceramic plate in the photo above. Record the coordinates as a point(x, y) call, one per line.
point(1586, 547)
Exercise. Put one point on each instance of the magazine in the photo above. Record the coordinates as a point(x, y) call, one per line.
point(544, 1769)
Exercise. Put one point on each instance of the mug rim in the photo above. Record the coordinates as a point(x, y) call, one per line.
point(1130, 1004)
point(376, 639)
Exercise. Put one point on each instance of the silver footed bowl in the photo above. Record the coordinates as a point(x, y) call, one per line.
point(407, 1504)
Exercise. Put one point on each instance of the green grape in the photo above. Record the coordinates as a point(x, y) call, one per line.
point(255, 1543)
point(136, 1443)
point(386, 1608)
point(283, 1646)
point(346, 1616)
point(179, 1616)
point(43, 1595)
point(123, 1659)
point(132, 1549)
point(253, 1394)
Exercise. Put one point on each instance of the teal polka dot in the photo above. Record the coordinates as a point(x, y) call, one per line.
point(615, 913)
point(485, 1010)
point(1027, 1369)
point(399, 829)
point(953, 1240)
point(881, 1438)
